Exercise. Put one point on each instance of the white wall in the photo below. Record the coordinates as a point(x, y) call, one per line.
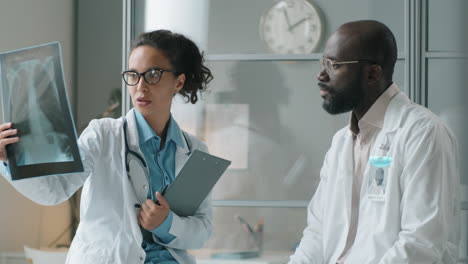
point(26, 23)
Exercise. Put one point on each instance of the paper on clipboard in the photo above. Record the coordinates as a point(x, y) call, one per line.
point(194, 181)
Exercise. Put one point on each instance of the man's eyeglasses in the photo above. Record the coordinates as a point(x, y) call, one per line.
point(329, 65)
point(151, 76)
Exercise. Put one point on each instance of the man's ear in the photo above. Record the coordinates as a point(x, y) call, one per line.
point(179, 83)
point(375, 74)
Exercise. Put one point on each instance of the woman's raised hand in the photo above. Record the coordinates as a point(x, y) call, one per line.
point(5, 139)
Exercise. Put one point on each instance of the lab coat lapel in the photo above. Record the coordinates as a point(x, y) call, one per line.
point(392, 120)
point(182, 154)
point(347, 168)
point(395, 112)
point(132, 132)
point(138, 173)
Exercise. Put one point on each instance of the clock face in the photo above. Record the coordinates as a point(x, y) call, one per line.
point(291, 27)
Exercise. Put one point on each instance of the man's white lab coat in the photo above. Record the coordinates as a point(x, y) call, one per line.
point(415, 221)
point(108, 232)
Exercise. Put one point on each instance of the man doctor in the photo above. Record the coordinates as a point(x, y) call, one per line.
point(414, 218)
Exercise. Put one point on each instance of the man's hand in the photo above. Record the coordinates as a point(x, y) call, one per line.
point(5, 139)
point(153, 215)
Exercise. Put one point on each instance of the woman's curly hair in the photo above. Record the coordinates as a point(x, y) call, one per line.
point(184, 56)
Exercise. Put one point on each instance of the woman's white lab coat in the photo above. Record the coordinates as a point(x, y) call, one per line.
point(415, 221)
point(108, 231)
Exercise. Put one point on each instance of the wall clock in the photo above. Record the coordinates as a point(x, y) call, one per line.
point(291, 27)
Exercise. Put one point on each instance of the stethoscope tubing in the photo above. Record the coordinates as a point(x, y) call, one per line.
point(141, 159)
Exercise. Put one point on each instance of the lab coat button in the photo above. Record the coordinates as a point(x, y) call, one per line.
point(140, 258)
point(145, 186)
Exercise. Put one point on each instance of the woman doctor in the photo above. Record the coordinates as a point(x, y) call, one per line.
point(130, 160)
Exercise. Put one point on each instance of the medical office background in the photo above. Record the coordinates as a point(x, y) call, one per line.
point(262, 111)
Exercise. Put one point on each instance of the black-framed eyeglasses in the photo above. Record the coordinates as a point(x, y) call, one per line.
point(329, 65)
point(151, 76)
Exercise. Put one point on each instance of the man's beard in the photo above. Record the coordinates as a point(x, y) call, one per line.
point(338, 102)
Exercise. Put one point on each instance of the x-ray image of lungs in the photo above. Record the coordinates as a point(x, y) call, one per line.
point(35, 110)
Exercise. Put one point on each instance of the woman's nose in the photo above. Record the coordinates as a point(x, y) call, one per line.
point(141, 85)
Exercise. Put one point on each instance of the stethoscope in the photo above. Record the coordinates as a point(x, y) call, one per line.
point(129, 152)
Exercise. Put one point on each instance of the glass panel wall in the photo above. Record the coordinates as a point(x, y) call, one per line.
point(446, 58)
point(237, 27)
point(267, 117)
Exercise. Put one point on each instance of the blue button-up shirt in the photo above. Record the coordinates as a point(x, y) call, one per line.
point(161, 164)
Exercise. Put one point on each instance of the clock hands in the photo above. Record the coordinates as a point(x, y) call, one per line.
point(287, 18)
point(291, 27)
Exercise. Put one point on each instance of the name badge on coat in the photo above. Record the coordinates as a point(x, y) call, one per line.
point(378, 174)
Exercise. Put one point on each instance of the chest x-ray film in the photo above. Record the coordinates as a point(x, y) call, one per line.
point(34, 99)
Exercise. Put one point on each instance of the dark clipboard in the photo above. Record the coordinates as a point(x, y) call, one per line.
point(194, 181)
